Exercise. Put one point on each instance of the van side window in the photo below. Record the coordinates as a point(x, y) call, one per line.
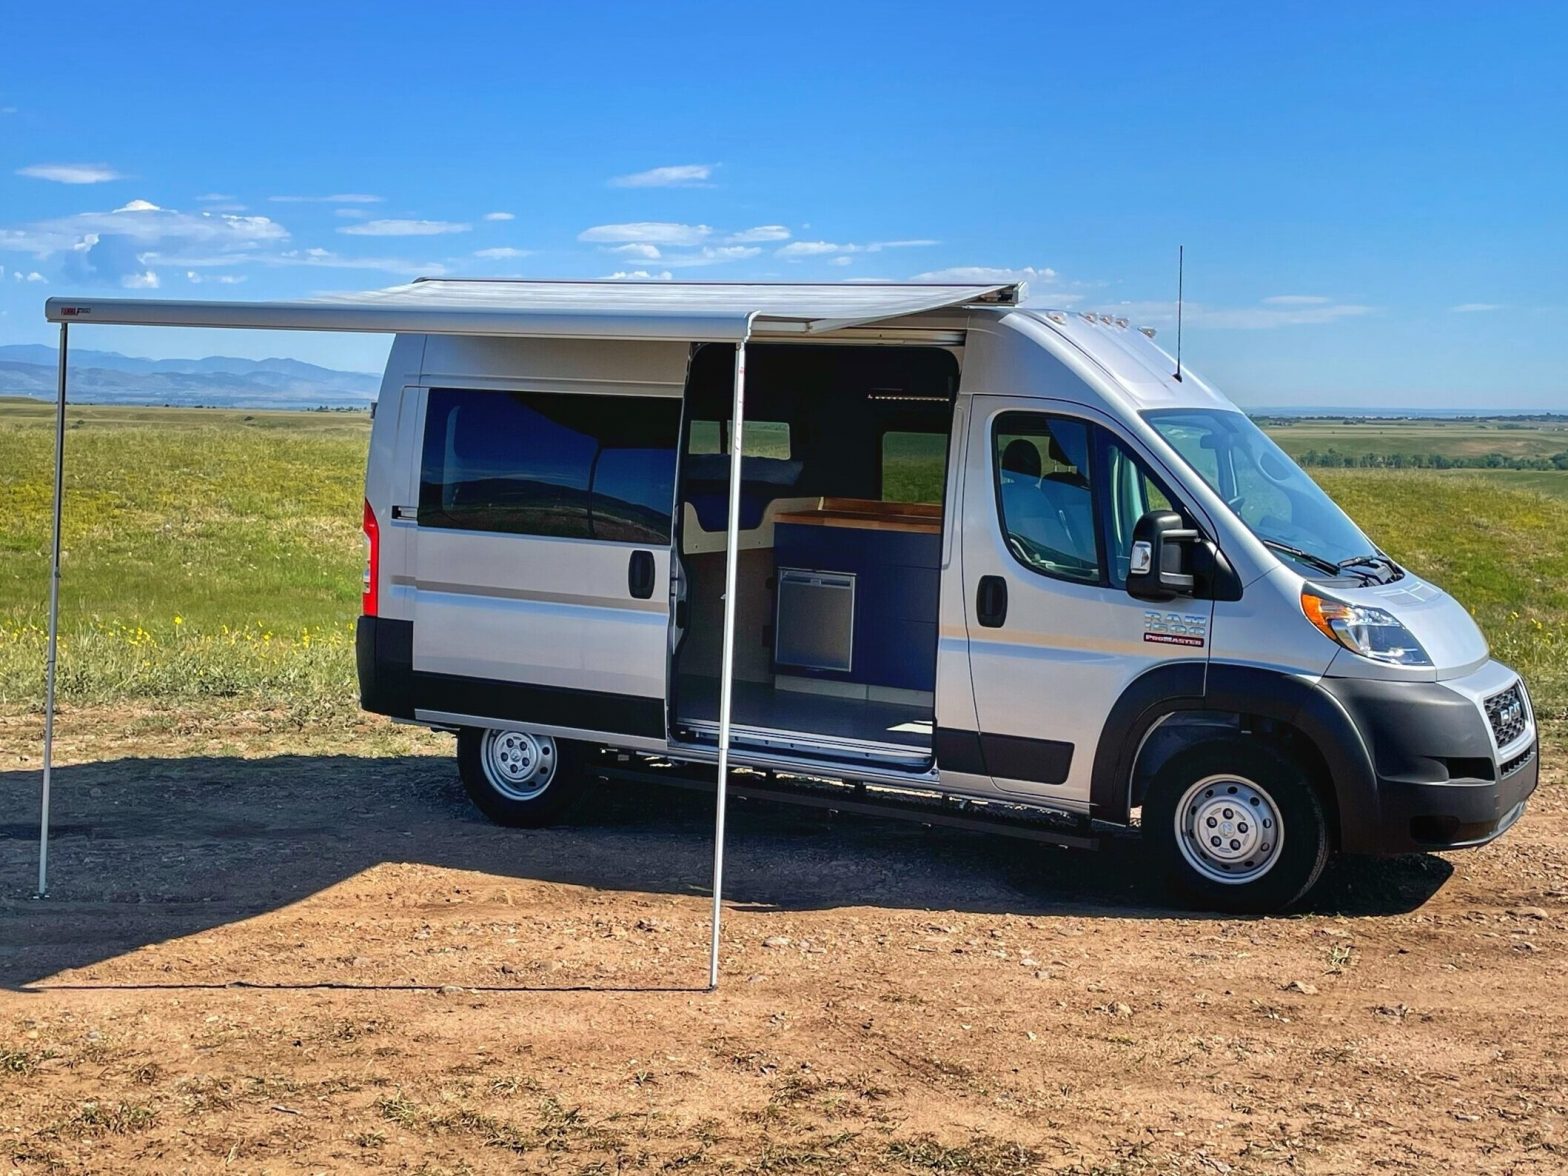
point(1131, 491)
point(914, 466)
point(762, 438)
point(1044, 496)
point(564, 466)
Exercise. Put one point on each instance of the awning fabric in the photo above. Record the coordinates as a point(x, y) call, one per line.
point(698, 311)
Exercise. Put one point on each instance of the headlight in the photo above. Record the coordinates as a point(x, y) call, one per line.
point(1362, 629)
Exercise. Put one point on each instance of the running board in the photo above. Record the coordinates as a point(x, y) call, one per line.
point(705, 733)
point(870, 800)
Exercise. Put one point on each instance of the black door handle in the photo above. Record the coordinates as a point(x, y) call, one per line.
point(639, 575)
point(991, 602)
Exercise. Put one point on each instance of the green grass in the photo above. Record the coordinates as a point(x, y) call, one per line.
point(205, 553)
point(214, 554)
point(1524, 438)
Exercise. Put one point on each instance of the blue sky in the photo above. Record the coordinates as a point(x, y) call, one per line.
point(1372, 197)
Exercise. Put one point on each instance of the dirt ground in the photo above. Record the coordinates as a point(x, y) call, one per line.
point(262, 954)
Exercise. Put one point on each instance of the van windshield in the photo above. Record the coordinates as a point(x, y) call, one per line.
point(1268, 492)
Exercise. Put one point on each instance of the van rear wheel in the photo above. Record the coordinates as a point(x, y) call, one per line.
point(520, 778)
point(1237, 825)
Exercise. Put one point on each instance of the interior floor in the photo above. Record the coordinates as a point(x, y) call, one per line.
point(758, 705)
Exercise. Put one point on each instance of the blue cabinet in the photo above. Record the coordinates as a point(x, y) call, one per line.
point(896, 581)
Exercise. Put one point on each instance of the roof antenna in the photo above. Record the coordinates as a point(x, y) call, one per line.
point(1181, 266)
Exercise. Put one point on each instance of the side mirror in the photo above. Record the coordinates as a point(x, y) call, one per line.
point(1161, 568)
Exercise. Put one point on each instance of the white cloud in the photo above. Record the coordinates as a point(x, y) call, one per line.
point(500, 216)
point(196, 278)
point(71, 173)
point(146, 280)
point(809, 248)
point(650, 232)
point(711, 255)
point(500, 252)
point(340, 198)
point(129, 241)
point(405, 228)
point(684, 175)
point(799, 249)
point(31, 276)
point(843, 260)
point(215, 198)
point(326, 259)
point(637, 276)
point(758, 233)
point(1297, 300)
point(1476, 307)
point(636, 249)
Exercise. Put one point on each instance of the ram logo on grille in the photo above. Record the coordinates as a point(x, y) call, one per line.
point(1506, 714)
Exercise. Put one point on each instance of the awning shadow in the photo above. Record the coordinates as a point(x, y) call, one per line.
point(212, 840)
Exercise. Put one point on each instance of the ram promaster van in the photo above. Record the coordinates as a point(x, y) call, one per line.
point(982, 555)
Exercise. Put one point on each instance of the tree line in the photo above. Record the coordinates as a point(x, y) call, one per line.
point(1333, 458)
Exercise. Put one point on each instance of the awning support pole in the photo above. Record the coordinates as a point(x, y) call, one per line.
point(727, 671)
point(54, 621)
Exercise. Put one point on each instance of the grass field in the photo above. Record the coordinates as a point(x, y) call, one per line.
point(214, 554)
point(1530, 438)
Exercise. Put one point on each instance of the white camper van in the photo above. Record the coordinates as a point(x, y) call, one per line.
point(982, 551)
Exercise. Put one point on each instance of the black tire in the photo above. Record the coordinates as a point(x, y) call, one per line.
point(1232, 865)
point(521, 801)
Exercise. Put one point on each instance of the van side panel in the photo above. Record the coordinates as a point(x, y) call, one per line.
point(525, 628)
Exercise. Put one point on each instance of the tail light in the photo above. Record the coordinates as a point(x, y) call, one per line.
point(369, 601)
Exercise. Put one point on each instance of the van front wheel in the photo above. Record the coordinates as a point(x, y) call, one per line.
point(1238, 826)
point(519, 778)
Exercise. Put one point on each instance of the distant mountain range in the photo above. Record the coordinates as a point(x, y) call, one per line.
point(107, 377)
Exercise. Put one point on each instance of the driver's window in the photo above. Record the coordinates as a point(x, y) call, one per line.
point(1043, 495)
point(1133, 492)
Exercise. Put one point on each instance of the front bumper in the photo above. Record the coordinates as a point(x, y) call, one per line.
point(1441, 780)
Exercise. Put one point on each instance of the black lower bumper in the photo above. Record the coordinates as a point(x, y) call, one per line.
point(1457, 814)
point(1439, 784)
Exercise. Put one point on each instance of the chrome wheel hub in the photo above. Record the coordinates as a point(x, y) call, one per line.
point(1229, 829)
point(520, 765)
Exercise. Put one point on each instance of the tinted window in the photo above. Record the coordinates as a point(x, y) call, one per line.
point(762, 439)
point(1131, 492)
point(574, 467)
point(1043, 493)
point(913, 466)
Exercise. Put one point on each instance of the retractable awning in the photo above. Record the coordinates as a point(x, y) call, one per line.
point(694, 311)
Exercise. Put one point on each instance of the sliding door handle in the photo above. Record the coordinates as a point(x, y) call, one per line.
point(640, 575)
point(991, 602)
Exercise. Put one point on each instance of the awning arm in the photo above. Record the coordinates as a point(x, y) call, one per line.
point(54, 621)
point(727, 667)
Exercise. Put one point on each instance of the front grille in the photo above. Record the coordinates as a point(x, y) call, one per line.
point(1519, 761)
point(1506, 712)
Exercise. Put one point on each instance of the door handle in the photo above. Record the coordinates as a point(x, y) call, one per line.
point(639, 575)
point(991, 602)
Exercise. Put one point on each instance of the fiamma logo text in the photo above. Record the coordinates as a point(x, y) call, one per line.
point(1164, 628)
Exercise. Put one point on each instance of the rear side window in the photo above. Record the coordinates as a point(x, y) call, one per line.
point(761, 439)
point(914, 466)
point(531, 463)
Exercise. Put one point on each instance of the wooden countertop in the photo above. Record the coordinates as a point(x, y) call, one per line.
point(869, 515)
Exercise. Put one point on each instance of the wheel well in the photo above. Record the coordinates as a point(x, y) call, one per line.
point(1183, 729)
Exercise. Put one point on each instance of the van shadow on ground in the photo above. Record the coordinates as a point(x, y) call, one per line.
point(211, 840)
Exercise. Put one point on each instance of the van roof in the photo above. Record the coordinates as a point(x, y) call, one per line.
point(699, 311)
